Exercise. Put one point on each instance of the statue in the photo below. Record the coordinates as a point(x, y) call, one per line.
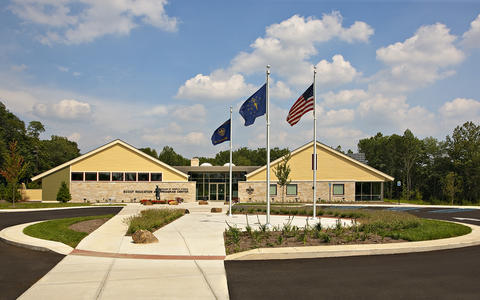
point(157, 193)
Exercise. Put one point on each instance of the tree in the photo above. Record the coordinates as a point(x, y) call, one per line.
point(150, 151)
point(282, 171)
point(34, 129)
point(63, 194)
point(450, 186)
point(410, 150)
point(14, 168)
point(170, 157)
point(463, 148)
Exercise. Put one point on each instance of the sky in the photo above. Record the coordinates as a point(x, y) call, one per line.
point(154, 72)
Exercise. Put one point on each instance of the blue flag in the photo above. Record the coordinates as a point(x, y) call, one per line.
point(255, 106)
point(222, 133)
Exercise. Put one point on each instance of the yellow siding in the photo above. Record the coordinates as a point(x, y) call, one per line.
point(51, 183)
point(331, 167)
point(120, 158)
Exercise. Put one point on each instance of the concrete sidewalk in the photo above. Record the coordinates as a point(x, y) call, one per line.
point(97, 277)
point(188, 260)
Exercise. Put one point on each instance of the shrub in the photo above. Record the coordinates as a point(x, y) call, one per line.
point(152, 219)
point(63, 194)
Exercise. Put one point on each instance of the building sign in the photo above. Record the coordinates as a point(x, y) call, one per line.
point(162, 190)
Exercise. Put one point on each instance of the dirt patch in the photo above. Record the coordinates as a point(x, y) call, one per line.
point(88, 226)
point(276, 239)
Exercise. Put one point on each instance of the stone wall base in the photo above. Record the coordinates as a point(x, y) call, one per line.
point(256, 192)
point(125, 192)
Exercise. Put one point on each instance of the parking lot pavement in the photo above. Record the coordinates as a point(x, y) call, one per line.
point(19, 267)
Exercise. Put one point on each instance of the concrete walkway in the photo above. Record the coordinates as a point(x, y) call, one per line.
point(188, 260)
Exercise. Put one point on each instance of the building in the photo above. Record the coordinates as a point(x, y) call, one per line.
point(339, 178)
point(118, 172)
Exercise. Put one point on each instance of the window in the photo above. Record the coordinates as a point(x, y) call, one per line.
point(291, 189)
point(338, 189)
point(117, 176)
point(91, 176)
point(143, 177)
point(103, 176)
point(273, 189)
point(77, 176)
point(156, 176)
point(130, 176)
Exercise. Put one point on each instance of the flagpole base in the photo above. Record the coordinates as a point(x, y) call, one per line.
point(269, 226)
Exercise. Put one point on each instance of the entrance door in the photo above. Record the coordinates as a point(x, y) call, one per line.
point(217, 191)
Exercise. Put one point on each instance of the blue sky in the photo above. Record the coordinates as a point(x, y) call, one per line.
point(154, 73)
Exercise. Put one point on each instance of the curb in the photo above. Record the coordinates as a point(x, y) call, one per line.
point(14, 235)
point(471, 239)
point(9, 210)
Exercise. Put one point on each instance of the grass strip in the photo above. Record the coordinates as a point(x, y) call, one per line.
point(152, 219)
point(373, 226)
point(57, 230)
point(23, 205)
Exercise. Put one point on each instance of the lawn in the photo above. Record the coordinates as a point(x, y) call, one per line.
point(22, 205)
point(57, 230)
point(152, 219)
point(370, 226)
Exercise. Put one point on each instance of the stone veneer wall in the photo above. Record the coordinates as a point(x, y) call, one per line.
point(127, 191)
point(304, 192)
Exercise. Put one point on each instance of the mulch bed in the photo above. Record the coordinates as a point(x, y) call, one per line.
point(88, 226)
point(271, 240)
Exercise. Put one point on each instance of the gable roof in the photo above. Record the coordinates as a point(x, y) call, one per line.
point(328, 149)
point(106, 146)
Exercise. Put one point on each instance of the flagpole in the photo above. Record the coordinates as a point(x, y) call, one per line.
point(267, 223)
point(230, 166)
point(314, 145)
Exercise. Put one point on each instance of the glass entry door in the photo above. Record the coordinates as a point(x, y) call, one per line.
point(217, 191)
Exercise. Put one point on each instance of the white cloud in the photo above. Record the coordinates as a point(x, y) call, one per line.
point(460, 110)
point(336, 73)
point(334, 117)
point(471, 38)
point(159, 110)
point(67, 109)
point(76, 74)
point(75, 137)
point(418, 61)
point(191, 113)
point(163, 137)
point(287, 47)
point(214, 87)
point(395, 114)
point(344, 97)
point(62, 69)
point(18, 68)
point(82, 21)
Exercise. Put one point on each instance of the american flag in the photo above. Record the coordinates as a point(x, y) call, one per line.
point(303, 105)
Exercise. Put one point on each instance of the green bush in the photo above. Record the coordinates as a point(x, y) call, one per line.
point(152, 219)
point(6, 193)
point(63, 194)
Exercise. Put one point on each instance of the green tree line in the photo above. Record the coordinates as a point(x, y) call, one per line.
point(241, 157)
point(429, 169)
point(40, 155)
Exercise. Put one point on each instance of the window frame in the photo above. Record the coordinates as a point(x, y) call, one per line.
point(296, 189)
point(138, 177)
point(343, 189)
point(109, 175)
point(123, 176)
point(83, 176)
point(276, 189)
point(161, 176)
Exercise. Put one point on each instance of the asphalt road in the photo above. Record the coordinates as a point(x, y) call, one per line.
point(446, 274)
point(20, 268)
